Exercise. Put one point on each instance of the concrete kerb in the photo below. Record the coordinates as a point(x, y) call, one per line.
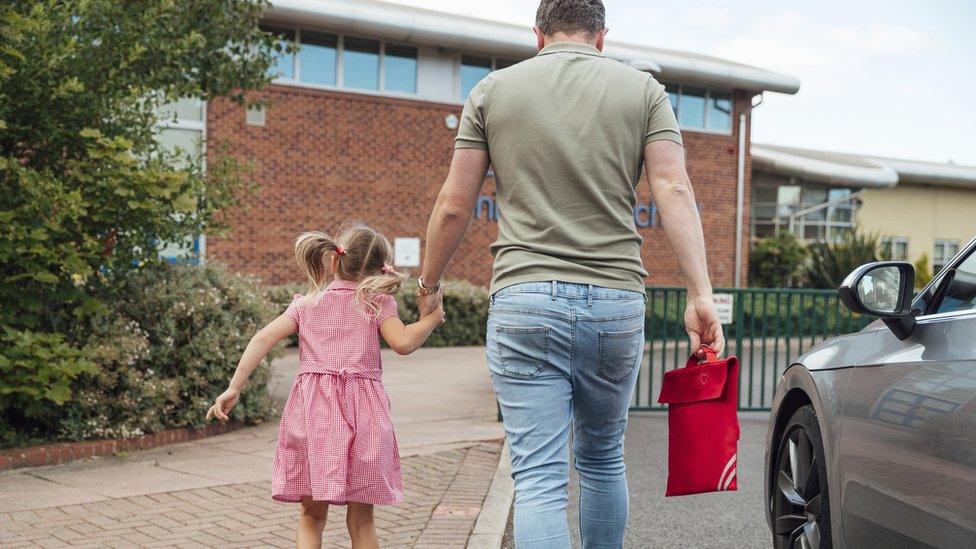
point(490, 527)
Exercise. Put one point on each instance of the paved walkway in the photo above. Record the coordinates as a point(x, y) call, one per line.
point(215, 492)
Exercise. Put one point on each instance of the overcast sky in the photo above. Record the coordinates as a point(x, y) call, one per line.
point(891, 78)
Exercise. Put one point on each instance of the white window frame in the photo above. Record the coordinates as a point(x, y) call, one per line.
point(892, 241)
point(946, 259)
point(200, 126)
point(340, 84)
point(708, 97)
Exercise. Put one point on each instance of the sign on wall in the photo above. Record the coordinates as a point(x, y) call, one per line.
point(406, 252)
point(725, 307)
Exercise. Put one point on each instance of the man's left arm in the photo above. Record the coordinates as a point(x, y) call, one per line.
point(452, 214)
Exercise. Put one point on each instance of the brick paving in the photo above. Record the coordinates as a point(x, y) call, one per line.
point(444, 493)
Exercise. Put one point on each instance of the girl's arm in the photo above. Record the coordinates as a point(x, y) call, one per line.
point(405, 339)
point(258, 348)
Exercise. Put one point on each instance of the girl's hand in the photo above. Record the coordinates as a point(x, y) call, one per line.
point(223, 404)
point(439, 314)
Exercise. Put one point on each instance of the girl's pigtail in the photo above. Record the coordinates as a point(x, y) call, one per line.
point(387, 282)
point(311, 251)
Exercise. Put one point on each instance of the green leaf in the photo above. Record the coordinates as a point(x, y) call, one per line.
point(90, 133)
point(185, 203)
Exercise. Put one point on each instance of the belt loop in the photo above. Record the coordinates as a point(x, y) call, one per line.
point(554, 290)
point(589, 295)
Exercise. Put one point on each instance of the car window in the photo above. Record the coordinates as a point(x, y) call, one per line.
point(961, 293)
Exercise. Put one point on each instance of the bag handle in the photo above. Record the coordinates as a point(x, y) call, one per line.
point(703, 355)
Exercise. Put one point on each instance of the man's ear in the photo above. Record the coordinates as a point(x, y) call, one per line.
point(599, 38)
point(540, 39)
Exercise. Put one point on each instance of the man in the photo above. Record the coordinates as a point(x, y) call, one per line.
point(567, 133)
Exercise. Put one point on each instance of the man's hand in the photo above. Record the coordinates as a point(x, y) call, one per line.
point(427, 303)
point(702, 325)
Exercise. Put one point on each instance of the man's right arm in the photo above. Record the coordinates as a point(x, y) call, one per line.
point(674, 197)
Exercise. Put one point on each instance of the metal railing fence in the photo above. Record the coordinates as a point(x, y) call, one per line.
point(769, 328)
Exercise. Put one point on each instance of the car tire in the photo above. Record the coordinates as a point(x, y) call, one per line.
point(799, 499)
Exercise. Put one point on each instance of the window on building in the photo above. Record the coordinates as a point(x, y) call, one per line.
point(719, 116)
point(672, 97)
point(944, 251)
point(317, 58)
point(400, 69)
point(284, 66)
point(691, 108)
point(700, 108)
point(895, 247)
point(361, 64)
point(180, 130)
point(773, 207)
point(473, 69)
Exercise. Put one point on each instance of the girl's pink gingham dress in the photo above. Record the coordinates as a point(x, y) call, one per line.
point(336, 440)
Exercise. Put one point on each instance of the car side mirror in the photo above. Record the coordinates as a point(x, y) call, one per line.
point(883, 289)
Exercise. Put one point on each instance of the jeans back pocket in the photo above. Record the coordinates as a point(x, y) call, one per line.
point(523, 352)
point(620, 353)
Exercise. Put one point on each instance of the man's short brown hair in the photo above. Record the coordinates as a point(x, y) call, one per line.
point(570, 16)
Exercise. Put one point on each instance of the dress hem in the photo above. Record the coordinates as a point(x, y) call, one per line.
point(290, 498)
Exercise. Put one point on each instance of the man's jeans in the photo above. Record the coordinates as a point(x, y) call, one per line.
point(563, 354)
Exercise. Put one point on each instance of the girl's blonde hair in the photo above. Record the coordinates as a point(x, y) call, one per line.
point(362, 255)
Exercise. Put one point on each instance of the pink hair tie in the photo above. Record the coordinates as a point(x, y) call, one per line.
point(387, 269)
point(340, 250)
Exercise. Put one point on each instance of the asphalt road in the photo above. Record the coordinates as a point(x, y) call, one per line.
point(720, 520)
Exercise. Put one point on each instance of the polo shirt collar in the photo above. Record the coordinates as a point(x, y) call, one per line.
point(573, 47)
point(339, 284)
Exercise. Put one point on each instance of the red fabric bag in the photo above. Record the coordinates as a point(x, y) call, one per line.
point(703, 424)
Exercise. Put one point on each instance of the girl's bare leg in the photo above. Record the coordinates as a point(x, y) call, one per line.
point(311, 522)
point(362, 530)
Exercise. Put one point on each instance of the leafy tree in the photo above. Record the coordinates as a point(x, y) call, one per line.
point(86, 193)
point(777, 261)
point(831, 262)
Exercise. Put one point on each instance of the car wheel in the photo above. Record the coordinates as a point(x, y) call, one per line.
point(801, 509)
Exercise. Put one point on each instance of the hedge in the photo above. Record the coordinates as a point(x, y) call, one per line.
point(466, 306)
point(166, 347)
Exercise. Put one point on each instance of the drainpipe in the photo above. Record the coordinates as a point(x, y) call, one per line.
point(740, 186)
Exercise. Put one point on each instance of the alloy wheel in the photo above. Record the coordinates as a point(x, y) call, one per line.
point(797, 499)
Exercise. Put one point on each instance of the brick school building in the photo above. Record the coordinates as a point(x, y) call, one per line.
point(360, 124)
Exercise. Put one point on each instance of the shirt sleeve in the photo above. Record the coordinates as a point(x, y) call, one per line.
point(388, 308)
point(471, 131)
point(661, 123)
point(294, 310)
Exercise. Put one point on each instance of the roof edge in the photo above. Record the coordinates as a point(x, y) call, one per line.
point(429, 27)
point(820, 170)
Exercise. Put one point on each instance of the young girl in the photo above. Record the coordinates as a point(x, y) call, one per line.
point(336, 443)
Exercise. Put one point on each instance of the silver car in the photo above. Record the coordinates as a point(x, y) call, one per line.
point(872, 435)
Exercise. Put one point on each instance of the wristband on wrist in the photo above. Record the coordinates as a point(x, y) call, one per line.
point(428, 290)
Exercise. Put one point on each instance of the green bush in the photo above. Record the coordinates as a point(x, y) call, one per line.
point(168, 346)
point(923, 274)
point(36, 371)
point(831, 262)
point(466, 306)
point(777, 261)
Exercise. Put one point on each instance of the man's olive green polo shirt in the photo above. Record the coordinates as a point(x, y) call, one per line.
point(566, 131)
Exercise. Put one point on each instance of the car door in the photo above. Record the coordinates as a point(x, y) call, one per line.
point(907, 455)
